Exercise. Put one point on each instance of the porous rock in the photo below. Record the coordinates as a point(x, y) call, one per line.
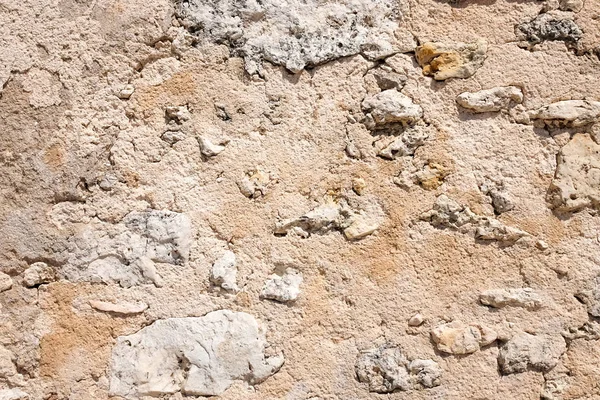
point(490, 100)
point(301, 34)
point(531, 352)
point(386, 369)
point(576, 183)
point(451, 60)
point(283, 288)
point(547, 26)
point(197, 356)
point(391, 106)
point(37, 274)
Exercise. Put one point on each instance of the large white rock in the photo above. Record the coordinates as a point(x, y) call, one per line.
point(299, 33)
point(13, 394)
point(197, 356)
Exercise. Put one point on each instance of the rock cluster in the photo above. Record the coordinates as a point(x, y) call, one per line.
point(386, 369)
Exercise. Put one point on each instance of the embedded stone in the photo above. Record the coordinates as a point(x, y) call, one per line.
point(531, 352)
point(458, 338)
point(283, 288)
point(457, 60)
point(490, 100)
point(518, 297)
point(195, 356)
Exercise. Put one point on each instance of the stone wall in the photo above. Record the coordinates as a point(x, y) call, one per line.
point(302, 199)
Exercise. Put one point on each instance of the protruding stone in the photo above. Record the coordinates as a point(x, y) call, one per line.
point(457, 60)
point(391, 106)
point(126, 92)
point(416, 320)
point(519, 297)
point(547, 26)
point(198, 356)
point(5, 282)
point(576, 183)
point(360, 226)
point(254, 183)
point(458, 338)
point(38, 273)
point(490, 100)
point(224, 272)
point(385, 369)
point(531, 352)
point(283, 288)
point(591, 298)
point(568, 113)
point(208, 149)
point(121, 308)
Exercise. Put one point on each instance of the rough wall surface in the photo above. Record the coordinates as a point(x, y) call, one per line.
point(317, 199)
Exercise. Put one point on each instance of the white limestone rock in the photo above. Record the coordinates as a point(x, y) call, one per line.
point(568, 113)
point(224, 272)
point(360, 226)
point(5, 282)
point(196, 356)
point(490, 100)
point(451, 60)
point(38, 273)
point(391, 106)
point(126, 92)
point(385, 369)
point(518, 297)
point(13, 394)
point(208, 148)
point(457, 337)
point(121, 308)
point(491, 229)
point(531, 352)
point(164, 236)
point(416, 320)
point(8, 369)
point(576, 183)
point(301, 33)
point(283, 288)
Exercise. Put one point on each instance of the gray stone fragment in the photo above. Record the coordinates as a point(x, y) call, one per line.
point(518, 297)
point(385, 369)
point(122, 308)
point(531, 352)
point(197, 356)
point(299, 33)
point(548, 27)
point(591, 298)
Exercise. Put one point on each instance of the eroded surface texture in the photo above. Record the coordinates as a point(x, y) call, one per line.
point(300, 199)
